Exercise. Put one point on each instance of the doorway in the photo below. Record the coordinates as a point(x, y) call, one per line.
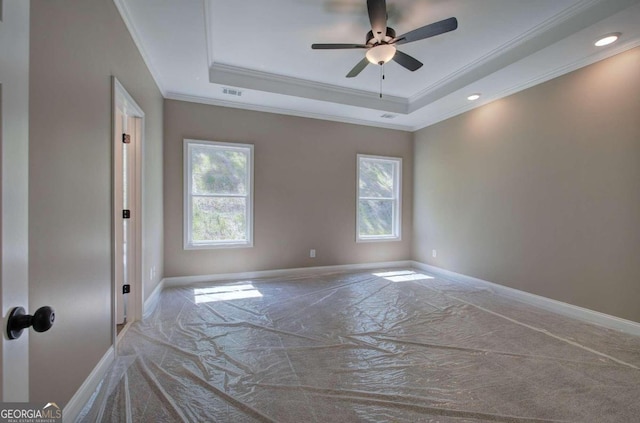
point(128, 136)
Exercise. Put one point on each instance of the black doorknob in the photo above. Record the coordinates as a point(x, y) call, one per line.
point(42, 320)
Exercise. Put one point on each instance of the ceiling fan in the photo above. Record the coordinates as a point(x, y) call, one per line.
point(382, 41)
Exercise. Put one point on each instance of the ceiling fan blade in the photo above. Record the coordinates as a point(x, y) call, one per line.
point(358, 68)
point(407, 61)
point(378, 17)
point(427, 31)
point(336, 46)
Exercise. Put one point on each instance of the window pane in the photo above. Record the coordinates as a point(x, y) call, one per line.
point(219, 219)
point(218, 171)
point(376, 178)
point(376, 217)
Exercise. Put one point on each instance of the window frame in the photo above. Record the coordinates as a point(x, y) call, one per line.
point(397, 199)
point(188, 243)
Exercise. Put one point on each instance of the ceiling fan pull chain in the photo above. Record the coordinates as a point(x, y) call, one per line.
point(381, 78)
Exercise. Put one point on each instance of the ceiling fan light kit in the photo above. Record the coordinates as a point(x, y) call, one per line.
point(381, 54)
point(381, 41)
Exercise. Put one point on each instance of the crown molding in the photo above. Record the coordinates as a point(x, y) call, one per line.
point(500, 50)
point(433, 119)
point(283, 111)
point(208, 31)
point(538, 79)
point(235, 76)
point(571, 20)
point(135, 35)
point(558, 27)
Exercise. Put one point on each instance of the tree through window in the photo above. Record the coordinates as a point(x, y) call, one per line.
point(218, 194)
point(379, 187)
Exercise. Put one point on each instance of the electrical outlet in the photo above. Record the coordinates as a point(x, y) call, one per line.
point(312, 253)
point(434, 253)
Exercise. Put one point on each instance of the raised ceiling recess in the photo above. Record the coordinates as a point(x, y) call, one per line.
point(199, 49)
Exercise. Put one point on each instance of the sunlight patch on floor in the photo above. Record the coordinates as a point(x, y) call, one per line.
point(403, 276)
point(225, 293)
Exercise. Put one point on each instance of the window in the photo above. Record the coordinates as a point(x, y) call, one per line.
point(218, 201)
point(379, 199)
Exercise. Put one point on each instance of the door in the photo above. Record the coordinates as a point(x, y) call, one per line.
point(14, 166)
point(126, 213)
point(128, 127)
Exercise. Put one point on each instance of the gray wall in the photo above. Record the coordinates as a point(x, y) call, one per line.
point(75, 48)
point(540, 191)
point(305, 189)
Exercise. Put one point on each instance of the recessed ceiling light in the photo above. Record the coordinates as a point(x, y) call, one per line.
point(607, 39)
point(473, 97)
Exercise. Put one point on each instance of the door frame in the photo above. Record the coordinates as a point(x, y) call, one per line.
point(135, 302)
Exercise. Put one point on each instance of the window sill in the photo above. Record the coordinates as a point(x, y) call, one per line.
point(218, 246)
point(379, 239)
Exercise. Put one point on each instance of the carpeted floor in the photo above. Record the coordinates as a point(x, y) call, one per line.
point(378, 346)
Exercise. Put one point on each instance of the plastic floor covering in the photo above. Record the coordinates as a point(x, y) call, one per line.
point(377, 346)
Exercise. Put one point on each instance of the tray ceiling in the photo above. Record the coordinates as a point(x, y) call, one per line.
point(210, 51)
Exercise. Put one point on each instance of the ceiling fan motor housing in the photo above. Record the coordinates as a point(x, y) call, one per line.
point(371, 40)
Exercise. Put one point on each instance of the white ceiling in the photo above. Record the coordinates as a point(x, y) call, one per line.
point(195, 48)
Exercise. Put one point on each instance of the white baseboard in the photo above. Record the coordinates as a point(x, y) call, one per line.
point(299, 271)
point(565, 309)
point(152, 301)
point(75, 405)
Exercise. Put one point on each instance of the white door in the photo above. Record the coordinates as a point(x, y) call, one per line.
point(128, 128)
point(126, 214)
point(14, 163)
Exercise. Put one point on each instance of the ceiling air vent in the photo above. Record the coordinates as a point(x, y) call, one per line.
point(232, 91)
point(388, 116)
